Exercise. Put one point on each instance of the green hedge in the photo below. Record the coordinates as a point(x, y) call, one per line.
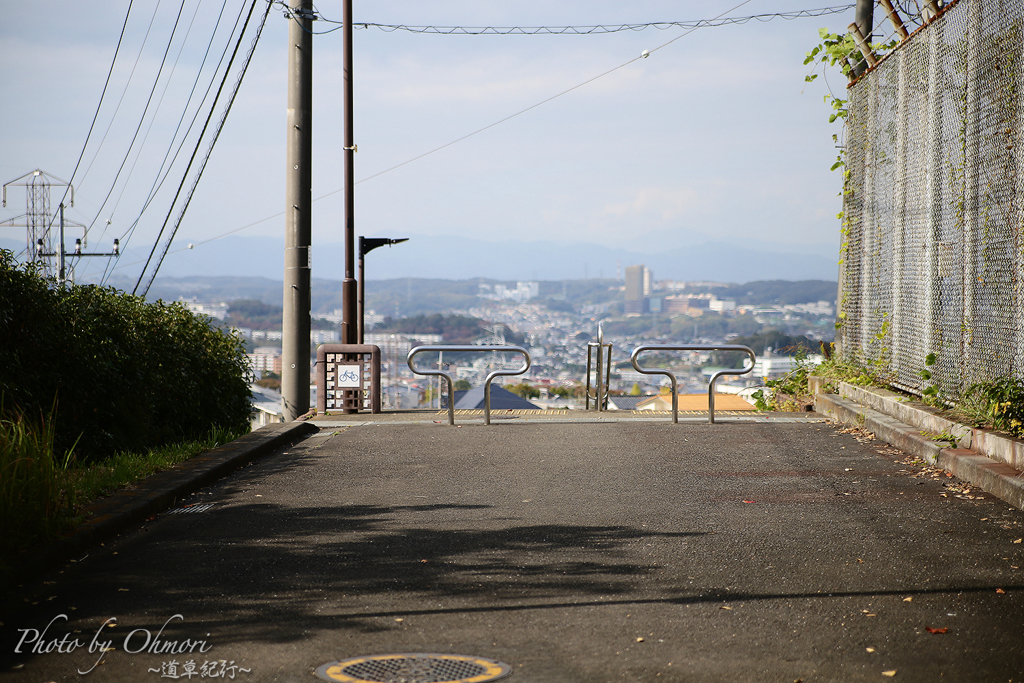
point(123, 374)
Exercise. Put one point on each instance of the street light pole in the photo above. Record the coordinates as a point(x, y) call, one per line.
point(349, 333)
point(368, 244)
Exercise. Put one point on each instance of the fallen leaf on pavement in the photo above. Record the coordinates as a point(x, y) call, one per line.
point(639, 640)
point(944, 629)
point(725, 607)
point(1019, 540)
point(910, 599)
point(1000, 591)
point(890, 674)
point(870, 649)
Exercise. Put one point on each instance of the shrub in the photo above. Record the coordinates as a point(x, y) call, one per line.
point(123, 374)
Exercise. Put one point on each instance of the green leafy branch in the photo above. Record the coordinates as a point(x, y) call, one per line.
point(833, 50)
point(837, 50)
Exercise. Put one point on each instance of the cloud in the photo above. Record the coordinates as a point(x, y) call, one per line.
point(656, 201)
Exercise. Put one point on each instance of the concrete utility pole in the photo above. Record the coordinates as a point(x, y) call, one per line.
point(349, 326)
point(865, 22)
point(298, 204)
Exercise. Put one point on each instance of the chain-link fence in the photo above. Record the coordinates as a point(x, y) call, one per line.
point(933, 244)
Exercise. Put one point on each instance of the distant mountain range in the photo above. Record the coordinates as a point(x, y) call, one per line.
point(244, 268)
point(457, 258)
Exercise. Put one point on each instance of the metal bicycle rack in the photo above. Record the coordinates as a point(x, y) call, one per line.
point(692, 347)
point(464, 348)
point(604, 371)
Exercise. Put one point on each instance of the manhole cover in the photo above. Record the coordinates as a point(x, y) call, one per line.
point(414, 668)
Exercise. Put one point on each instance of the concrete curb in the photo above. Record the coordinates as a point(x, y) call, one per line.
point(995, 445)
point(156, 493)
point(997, 478)
point(885, 427)
point(922, 416)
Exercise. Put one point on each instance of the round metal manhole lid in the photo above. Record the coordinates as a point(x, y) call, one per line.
point(414, 668)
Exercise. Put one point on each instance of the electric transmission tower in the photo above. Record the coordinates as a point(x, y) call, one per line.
point(43, 243)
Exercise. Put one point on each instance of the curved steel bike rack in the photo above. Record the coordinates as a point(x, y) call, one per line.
point(468, 348)
point(692, 347)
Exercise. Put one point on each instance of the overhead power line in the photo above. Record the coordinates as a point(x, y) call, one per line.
point(691, 27)
point(169, 159)
point(209, 151)
point(591, 30)
point(142, 119)
point(103, 94)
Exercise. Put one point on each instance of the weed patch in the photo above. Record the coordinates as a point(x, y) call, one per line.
point(42, 493)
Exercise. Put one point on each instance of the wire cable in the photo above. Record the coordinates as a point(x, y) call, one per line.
point(159, 104)
point(643, 55)
point(142, 119)
point(703, 24)
point(142, 146)
point(163, 172)
point(124, 93)
point(213, 142)
point(99, 105)
point(589, 30)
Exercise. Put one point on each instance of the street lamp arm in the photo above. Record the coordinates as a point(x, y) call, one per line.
point(368, 244)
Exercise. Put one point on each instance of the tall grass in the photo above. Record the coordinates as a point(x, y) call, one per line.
point(34, 499)
point(42, 491)
point(97, 479)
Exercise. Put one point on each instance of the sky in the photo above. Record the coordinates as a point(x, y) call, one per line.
point(715, 134)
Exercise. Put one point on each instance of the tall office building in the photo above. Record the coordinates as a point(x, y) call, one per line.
point(638, 285)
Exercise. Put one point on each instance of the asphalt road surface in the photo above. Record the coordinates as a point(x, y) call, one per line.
point(587, 552)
